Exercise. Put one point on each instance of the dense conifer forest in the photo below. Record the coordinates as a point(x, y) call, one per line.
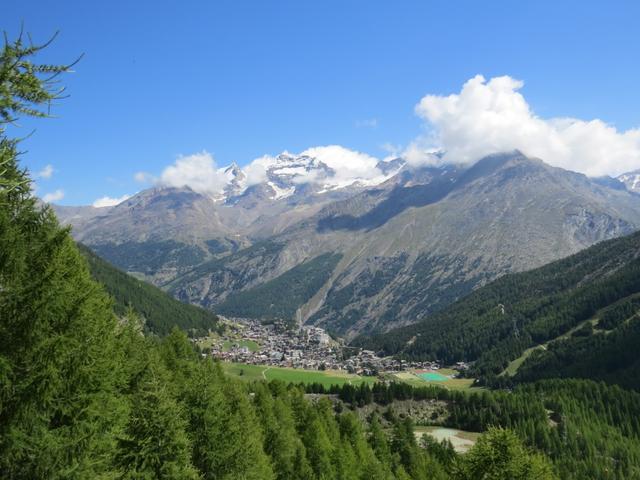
point(159, 311)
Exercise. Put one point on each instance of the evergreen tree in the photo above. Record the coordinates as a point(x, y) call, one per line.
point(499, 455)
point(378, 441)
point(59, 361)
point(319, 447)
point(224, 428)
point(155, 444)
point(281, 442)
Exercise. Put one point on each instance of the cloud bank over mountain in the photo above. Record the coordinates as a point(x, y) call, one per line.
point(198, 171)
point(333, 166)
point(485, 117)
point(489, 116)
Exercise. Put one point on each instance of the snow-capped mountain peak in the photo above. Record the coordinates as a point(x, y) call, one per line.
point(288, 171)
point(631, 180)
point(313, 172)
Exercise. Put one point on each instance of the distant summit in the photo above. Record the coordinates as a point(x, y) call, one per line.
point(631, 180)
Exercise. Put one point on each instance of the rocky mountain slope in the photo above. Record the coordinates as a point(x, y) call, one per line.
point(425, 238)
point(402, 247)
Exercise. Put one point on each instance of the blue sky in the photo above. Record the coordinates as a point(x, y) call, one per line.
point(242, 79)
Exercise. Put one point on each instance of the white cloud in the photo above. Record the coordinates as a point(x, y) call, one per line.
point(46, 172)
point(53, 196)
point(256, 171)
point(391, 149)
point(197, 171)
point(348, 164)
point(492, 116)
point(109, 201)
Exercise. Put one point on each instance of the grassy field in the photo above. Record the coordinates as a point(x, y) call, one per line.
point(338, 377)
point(450, 383)
point(208, 342)
point(242, 371)
point(293, 375)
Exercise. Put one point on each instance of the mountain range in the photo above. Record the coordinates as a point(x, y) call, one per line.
point(357, 254)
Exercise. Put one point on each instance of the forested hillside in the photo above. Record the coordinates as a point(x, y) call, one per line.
point(159, 311)
point(589, 429)
point(498, 322)
point(605, 348)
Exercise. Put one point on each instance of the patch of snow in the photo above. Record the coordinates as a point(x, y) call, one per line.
point(631, 180)
point(281, 193)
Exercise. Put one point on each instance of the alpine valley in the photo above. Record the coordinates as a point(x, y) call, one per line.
point(357, 255)
point(465, 308)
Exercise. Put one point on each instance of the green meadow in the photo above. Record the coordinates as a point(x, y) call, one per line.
point(293, 375)
point(421, 380)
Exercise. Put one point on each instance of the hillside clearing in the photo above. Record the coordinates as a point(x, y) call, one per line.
point(461, 440)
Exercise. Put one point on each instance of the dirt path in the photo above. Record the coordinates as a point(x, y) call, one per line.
point(264, 372)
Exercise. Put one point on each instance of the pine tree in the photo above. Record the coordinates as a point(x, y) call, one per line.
point(378, 441)
point(281, 442)
point(499, 455)
point(155, 444)
point(319, 447)
point(227, 438)
point(59, 367)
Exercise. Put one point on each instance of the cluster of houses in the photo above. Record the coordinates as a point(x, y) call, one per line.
point(307, 347)
point(366, 362)
point(312, 348)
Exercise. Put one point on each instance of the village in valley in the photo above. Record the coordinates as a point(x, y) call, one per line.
point(276, 344)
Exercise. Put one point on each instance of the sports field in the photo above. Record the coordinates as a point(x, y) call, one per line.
point(293, 375)
point(432, 377)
